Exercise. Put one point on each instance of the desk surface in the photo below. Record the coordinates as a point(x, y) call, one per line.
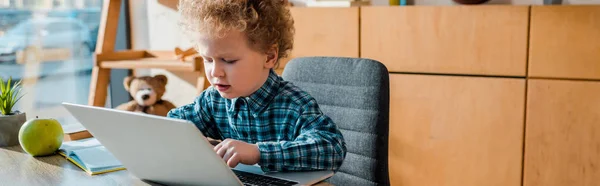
point(19, 168)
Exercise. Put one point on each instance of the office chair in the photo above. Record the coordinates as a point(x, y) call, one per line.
point(354, 93)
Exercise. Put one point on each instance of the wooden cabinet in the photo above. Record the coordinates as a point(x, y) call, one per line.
point(562, 142)
point(484, 40)
point(456, 131)
point(565, 42)
point(325, 32)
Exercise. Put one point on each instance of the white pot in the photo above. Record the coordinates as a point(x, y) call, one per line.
point(9, 128)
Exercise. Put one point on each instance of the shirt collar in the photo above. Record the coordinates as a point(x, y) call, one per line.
point(261, 98)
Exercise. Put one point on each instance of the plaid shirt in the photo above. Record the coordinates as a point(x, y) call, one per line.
point(285, 122)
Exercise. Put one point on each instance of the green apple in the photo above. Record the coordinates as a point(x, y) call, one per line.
point(41, 137)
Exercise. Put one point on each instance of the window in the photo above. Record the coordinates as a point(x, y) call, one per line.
point(48, 45)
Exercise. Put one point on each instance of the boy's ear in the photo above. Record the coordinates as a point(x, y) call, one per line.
point(272, 55)
point(127, 82)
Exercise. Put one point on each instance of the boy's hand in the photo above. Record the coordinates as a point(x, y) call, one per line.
point(235, 151)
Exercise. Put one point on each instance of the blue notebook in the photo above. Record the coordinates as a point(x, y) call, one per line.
point(91, 156)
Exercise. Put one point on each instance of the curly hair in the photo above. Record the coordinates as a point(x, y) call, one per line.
point(265, 22)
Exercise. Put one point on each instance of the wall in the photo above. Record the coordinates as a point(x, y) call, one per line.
point(153, 28)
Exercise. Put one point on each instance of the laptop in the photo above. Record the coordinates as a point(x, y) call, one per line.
point(174, 152)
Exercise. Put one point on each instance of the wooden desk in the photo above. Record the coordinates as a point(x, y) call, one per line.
point(19, 168)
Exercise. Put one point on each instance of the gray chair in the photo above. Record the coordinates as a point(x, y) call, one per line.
point(354, 92)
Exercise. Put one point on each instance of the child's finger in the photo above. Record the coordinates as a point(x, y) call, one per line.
point(217, 147)
point(229, 153)
point(221, 151)
point(234, 160)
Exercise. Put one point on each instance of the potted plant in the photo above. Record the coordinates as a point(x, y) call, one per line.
point(10, 120)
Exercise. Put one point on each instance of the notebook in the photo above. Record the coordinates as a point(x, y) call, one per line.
point(89, 155)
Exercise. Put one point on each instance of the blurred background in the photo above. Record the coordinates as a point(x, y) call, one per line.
point(48, 45)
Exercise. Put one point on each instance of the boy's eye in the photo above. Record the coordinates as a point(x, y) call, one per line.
point(207, 60)
point(228, 61)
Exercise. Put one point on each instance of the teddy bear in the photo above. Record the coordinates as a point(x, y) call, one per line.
point(147, 92)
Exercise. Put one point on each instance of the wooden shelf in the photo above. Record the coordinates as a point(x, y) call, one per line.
point(106, 58)
point(133, 59)
point(152, 63)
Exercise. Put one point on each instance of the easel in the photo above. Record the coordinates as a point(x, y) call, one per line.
point(106, 59)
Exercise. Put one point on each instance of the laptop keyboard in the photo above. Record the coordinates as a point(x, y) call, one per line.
point(250, 179)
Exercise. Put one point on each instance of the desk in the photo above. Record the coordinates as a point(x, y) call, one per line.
point(19, 168)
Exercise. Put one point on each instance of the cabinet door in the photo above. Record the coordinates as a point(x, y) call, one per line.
point(485, 40)
point(324, 32)
point(565, 42)
point(456, 131)
point(562, 142)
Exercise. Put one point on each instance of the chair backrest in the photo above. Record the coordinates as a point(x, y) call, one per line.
point(354, 92)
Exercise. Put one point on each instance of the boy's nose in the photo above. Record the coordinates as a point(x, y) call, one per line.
point(217, 70)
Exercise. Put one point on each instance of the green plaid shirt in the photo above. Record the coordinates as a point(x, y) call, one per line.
point(285, 122)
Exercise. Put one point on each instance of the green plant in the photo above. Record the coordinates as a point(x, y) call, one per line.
point(8, 96)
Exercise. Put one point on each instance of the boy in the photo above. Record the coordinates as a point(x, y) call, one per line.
point(260, 117)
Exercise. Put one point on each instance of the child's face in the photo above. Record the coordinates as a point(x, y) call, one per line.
point(232, 67)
